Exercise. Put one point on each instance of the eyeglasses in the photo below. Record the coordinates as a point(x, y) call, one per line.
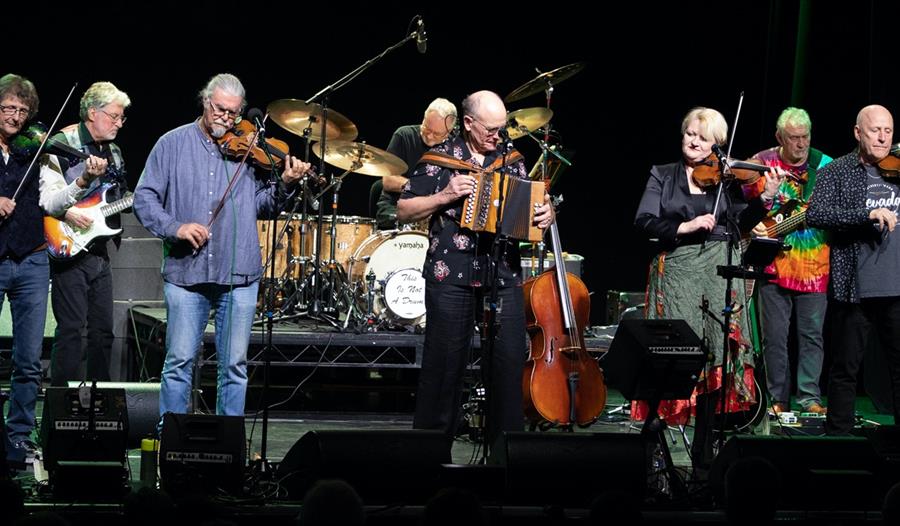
point(489, 131)
point(12, 110)
point(218, 111)
point(428, 132)
point(114, 118)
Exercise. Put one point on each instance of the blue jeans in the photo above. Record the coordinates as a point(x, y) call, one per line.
point(26, 285)
point(187, 311)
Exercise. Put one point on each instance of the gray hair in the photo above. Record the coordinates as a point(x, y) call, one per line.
point(791, 116)
point(227, 83)
point(99, 95)
point(443, 108)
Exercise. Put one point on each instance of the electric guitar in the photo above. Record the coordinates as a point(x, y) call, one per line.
point(65, 241)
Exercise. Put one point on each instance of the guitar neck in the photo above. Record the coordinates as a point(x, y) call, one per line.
point(788, 225)
point(117, 206)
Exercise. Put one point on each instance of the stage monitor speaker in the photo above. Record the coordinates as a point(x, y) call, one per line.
point(142, 400)
point(202, 454)
point(817, 473)
point(570, 469)
point(70, 432)
point(654, 359)
point(390, 467)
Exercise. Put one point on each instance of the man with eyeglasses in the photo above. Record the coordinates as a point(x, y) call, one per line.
point(208, 264)
point(455, 278)
point(82, 286)
point(409, 143)
point(24, 269)
point(801, 273)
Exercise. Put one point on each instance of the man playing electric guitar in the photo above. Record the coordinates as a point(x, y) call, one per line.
point(82, 280)
point(801, 273)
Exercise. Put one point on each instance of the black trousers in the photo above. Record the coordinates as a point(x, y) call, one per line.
point(451, 311)
point(852, 325)
point(81, 296)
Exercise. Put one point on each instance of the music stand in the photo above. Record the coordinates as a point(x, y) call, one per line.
point(655, 360)
point(759, 254)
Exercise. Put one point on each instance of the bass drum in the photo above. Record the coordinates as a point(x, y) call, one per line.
point(396, 258)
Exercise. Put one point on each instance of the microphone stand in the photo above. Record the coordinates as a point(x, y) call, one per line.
point(491, 323)
point(315, 308)
point(263, 462)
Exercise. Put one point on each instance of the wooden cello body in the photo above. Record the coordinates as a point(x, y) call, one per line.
point(562, 384)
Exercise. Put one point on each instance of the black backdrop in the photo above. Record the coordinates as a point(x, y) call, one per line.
point(648, 63)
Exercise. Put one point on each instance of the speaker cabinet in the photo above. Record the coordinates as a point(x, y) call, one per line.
point(202, 454)
point(817, 473)
point(570, 469)
point(397, 467)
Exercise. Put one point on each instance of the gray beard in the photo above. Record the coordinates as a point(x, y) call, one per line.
point(217, 131)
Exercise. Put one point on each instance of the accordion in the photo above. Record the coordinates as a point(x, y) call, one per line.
point(520, 197)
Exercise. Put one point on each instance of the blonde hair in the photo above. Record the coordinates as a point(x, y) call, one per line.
point(712, 124)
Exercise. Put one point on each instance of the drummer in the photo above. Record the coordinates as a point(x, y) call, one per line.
point(409, 143)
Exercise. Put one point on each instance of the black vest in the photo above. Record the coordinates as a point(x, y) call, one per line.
point(23, 232)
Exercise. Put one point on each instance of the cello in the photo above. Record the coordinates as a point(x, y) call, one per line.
point(562, 384)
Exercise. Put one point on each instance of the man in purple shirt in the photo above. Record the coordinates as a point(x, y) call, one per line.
point(208, 264)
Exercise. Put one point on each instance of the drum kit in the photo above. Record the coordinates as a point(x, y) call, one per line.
point(364, 279)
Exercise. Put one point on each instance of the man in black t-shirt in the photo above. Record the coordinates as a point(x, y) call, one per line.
point(409, 143)
point(858, 206)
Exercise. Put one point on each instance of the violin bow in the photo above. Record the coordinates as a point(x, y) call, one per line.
point(728, 153)
point(44, 142)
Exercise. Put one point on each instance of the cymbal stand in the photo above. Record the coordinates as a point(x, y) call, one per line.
point(316, 307)
point(304, 223)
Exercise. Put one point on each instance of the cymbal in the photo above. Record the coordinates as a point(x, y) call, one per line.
point(295, 115)
point(527, 120)
point(544, 80)
point(360, 158)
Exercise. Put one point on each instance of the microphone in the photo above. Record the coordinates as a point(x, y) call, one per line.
point(715, 149)
point(421, 37)
point(313, 202)
point(255, 115)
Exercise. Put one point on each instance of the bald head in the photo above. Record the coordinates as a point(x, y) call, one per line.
point(484, 115)
point(875, 132)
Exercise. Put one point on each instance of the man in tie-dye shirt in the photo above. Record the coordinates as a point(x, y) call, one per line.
point(801, 281)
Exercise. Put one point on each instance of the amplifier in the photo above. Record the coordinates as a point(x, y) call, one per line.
point(202, 453)
point(76, 428)
point(621, 305)
point(574, 264)
point(654, 359)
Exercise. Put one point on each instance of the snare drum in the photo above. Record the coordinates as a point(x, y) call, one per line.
point(396, 259)
point(350, 232)
point(287, 252)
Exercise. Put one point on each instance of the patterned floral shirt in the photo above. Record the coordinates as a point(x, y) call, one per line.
point(459, 256)
point(803, 268)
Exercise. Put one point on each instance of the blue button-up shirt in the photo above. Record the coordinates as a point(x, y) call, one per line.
point(183, 181)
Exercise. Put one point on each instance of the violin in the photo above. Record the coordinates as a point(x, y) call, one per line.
point(27, 142)
point(237, 141)
point(890, 165)
point(708, 172)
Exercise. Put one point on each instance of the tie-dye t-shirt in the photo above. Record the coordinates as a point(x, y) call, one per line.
point(804, 267)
